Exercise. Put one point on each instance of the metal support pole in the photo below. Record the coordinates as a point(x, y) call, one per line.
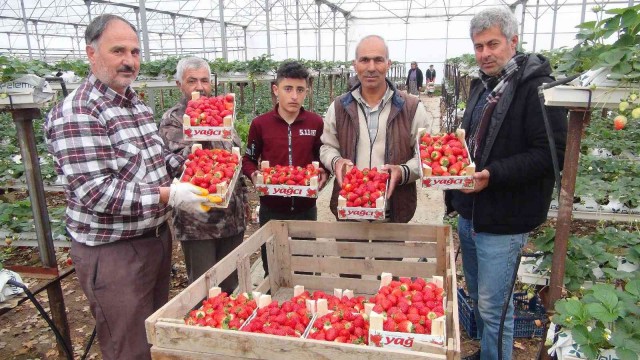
point(244, 30)
point(23, 119)
point(204, 47)
point(78, 40)
point(223, 30)
point(35, 27)
point(26, 28)
point(319, 54)
point(298, 26)
point(88, 4)
point(161, 47)
point(583, 11)
point(553, 26)
point(180, 42)
point(333, 42)
point(266, 12)
point(524, 11)
point(446, 43)
point(578, 118)
point(346, 38)
point(44, 50)
point(175, 35)
point(535, 26)
point(145, 46)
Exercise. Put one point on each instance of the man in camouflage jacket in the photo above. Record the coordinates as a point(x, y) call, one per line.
point(209, 237)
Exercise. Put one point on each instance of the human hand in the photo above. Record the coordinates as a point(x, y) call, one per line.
point(340, 169)
point(322, 178)
point(188, 197)
point(395, 176)
point(481, 182)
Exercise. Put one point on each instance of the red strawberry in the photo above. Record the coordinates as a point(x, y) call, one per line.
point(405, 326)
point(330, 334)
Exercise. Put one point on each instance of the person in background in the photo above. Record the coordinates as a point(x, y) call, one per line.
point(515, 175)
point(286, 135)
point(205, 238)
point(116, 173)
point(430, 74)
point(414, 79)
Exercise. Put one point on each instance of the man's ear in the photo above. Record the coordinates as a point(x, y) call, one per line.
point(514, 42)
point(274, 88)
point(91, 53)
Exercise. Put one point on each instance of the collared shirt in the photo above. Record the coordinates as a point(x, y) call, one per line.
point(372, 114)
point(112, 163)
point(216, 223)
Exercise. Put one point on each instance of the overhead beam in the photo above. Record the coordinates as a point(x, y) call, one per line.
point(335, 7)
point(163, 12)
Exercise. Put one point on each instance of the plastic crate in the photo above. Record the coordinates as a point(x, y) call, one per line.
point(525, 313)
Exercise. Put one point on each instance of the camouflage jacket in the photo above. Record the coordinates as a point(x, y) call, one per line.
point(217, 222)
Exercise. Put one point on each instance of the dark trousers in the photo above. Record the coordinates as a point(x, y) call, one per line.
point(202, 255)
point(267, 214)
point(125, 282)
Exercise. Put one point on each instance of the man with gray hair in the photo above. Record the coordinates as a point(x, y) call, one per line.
point(515, 175)
point(116, 175)
point(205, 238)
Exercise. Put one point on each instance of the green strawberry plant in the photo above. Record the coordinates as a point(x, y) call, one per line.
point(585, 253)
point(596, 50)
point(606, 317)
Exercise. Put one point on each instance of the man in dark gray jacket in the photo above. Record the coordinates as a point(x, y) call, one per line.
point(514, 180)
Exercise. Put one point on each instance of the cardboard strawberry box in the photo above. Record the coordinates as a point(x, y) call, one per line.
point(363, 194)
point(209, 125)
point(453, 177)
point(269, 183)
point(220, 193)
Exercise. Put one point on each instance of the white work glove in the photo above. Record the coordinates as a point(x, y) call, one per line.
point(188, 197)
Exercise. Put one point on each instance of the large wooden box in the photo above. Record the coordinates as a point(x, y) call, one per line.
point(295, 246)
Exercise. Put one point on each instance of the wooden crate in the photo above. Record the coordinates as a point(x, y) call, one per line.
point(319, 252)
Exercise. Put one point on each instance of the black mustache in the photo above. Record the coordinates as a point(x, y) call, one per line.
point(125, 68)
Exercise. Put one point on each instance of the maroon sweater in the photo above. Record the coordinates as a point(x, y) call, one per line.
point(273, 139)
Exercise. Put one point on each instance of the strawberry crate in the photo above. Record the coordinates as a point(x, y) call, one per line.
point(464, 180)
point(526, 313)
point(223, 191)
point(264, 186)
point(309, 246)
point(347, 210)
point(224, 132)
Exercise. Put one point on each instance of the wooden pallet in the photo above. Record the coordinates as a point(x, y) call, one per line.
point(319, 253)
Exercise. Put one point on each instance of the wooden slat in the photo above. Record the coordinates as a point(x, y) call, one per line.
point(283, 253)
point(429, 348)
point(261, 346)
point(362, 249)
point(455, 319)
point(263, 287)
point(244, 274)
point(362, 266)
point(171, 354)
point(364, 231)
point(194, 293)
point(441, 250)
point(272, 261)
point(327, 283)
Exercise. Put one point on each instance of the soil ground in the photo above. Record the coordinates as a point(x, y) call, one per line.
point(25, 335)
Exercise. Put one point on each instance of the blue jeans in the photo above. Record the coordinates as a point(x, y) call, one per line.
point(488, 263)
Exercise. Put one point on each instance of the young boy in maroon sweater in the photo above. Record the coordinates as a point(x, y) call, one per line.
point(286, 135)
